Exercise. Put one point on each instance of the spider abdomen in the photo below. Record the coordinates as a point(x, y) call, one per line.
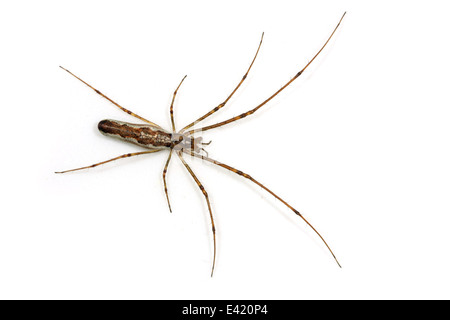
point(144, 135)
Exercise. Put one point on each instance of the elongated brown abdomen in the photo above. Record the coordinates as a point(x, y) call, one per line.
point(144, 135)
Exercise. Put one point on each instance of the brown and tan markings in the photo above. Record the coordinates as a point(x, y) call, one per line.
point(154, 138)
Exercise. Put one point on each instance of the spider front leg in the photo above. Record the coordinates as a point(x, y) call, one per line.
point(110, 100)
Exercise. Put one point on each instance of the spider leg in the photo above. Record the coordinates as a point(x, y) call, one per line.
point(164, 179)
point(206, 115)
point(171, 105)
point(199, 184)
point(247, 176)
point(110, 100)
point(113, 159)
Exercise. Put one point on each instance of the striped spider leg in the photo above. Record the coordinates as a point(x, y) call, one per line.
point(247, 176)
point(127, 155)
point(113, 102)
point(205, 194)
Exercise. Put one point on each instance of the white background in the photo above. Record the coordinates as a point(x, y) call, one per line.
point(359, 144)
